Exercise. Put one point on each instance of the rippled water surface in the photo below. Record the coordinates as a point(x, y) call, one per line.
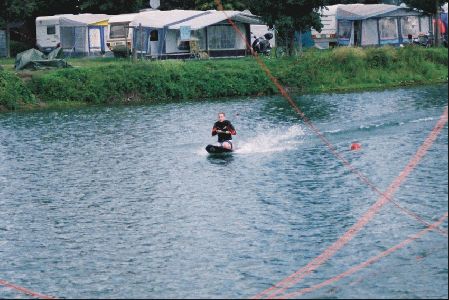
point(124, 201)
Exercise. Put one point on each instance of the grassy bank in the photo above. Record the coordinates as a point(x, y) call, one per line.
point(13, 92)
point(103, 81)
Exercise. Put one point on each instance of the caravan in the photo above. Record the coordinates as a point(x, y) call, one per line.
point(369, 25)
point(48, 33)
point(120, 37)
point(327, 38)
point(379, 24)
point(171, 34)
point(82, 34)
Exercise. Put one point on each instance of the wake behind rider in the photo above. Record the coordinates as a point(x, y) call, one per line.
point(224, 129)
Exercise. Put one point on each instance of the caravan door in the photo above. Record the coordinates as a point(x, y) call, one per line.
point(95, 40)
point(357, 33)
point(154, 43)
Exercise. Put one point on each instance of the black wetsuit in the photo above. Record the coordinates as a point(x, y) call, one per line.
point(223, 126)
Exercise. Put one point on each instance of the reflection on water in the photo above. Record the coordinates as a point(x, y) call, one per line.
point(221, 159)
point(124, 202)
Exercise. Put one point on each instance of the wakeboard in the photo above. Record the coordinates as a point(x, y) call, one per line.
point(217, 149)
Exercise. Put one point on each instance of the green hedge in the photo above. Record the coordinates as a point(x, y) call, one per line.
point(153, 81)
point(13, 91)
point(342, 69)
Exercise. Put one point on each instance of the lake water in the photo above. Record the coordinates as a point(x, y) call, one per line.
point(125, 202)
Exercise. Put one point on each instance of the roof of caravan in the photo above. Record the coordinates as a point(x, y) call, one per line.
point(81, 19)
point(365, 11)
point(122, 18)
point(213, 17)
point(47, 20)
point(73, 20)
point(160, 19)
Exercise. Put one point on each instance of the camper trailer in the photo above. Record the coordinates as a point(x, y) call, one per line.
point(120, 36)
point(48, 33)
point(327, 38)
point(82, 34)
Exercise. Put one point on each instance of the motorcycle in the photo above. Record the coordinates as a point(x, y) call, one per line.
point(261, 45)
point(424, 40)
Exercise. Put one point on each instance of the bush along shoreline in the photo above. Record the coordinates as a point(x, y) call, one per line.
point(339, 70)
point(13, 92)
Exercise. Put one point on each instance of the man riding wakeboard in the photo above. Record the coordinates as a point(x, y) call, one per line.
point(224, 129)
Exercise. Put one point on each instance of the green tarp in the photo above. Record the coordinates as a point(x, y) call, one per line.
point(34, 59)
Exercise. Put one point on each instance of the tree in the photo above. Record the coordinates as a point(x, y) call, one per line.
point(394, 2)
point(113, 6)
point(203, 4)
point(13, 11)
point(290, 16)
point(432, 7)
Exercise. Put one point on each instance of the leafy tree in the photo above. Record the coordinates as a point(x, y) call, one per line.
point(290, 16)
point(332, 2)
point(203, 4)
point(432, 7)
point(13, 11)
point(127, 6)
point(113, 6)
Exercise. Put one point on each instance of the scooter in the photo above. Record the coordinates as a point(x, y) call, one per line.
point(261, 45)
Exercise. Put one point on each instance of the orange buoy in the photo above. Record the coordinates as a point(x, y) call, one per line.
point(356, 147)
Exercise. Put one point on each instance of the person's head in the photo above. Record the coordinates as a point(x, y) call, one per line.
point(221, 116)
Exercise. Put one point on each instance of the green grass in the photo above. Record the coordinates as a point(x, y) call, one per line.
point(109, 80)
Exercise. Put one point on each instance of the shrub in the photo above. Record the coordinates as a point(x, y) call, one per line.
point(381, 57)
point(13, 92)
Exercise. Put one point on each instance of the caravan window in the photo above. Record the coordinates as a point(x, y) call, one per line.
point(344, 30)
point(154, 36)
point(182, 45)
point(141, 40)
point(388, 29)
point(67, 37)
point(222, 37)
point(118, 31)
point(410, 25)
point(200, 35)
point(51, 29)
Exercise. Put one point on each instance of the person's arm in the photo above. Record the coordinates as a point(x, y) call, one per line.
point(232, 130)
point(214, 131)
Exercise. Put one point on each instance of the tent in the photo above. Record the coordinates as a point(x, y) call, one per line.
point(379, 24)
point(167, 33)
point(151, 29)
point(34, 59)
point(83, 34)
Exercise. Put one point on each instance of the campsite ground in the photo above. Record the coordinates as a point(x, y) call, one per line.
point(109, 80)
